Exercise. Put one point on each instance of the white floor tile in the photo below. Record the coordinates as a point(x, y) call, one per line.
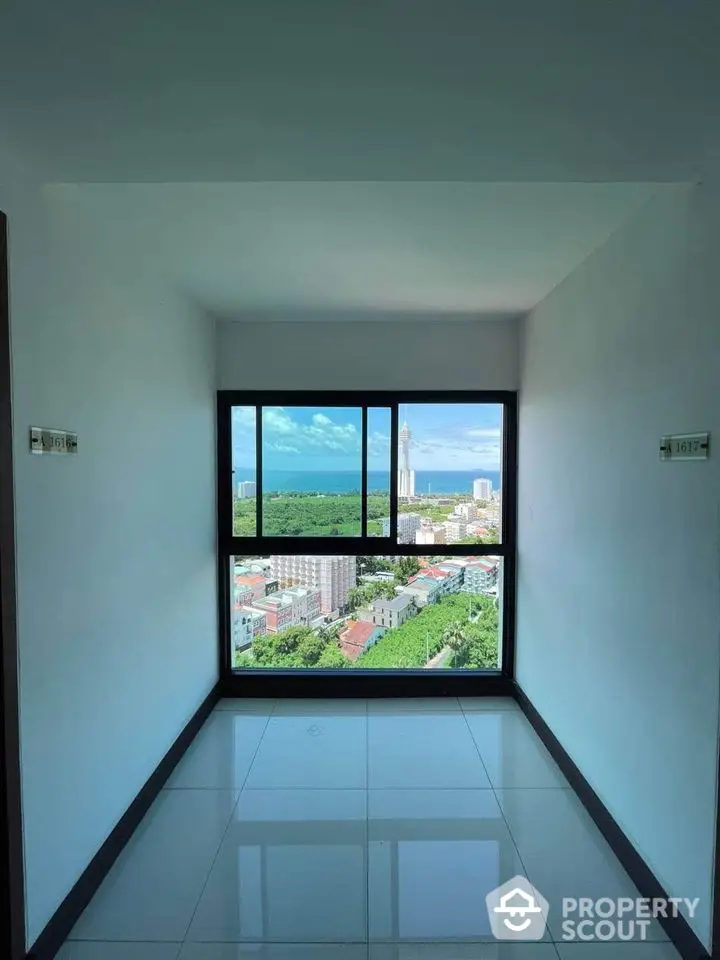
point(301, 707)
point(420, 750)
point(292, 868)
point(434, 855)
point(462, 951)
point(274, 951)
point(488, 704)
point(250, 705)
point(154, 886)
point(413, 705)
point(314, 750)
point(99, 950)
point(513, 754)
point(221, 754)
point(617, 951)
point(564, 852)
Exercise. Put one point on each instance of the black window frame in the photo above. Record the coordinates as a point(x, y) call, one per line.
point(278, 681)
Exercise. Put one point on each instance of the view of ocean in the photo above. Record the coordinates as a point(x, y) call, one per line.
point(431, 482)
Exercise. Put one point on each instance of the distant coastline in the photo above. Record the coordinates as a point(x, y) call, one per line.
point(434, 482)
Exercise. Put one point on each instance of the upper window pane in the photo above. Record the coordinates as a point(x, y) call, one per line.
point(312, 471)
point(243, 471)
point(450, 473)
point(378, 459)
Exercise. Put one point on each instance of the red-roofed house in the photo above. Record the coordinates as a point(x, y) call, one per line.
point(358, 637)
point(255, 582)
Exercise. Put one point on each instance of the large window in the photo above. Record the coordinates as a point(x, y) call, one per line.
point(366, 531)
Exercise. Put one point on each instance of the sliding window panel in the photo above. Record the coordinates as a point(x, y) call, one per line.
point(450, 477)
point(312, 471)
point(244, 471)
point(378, 471)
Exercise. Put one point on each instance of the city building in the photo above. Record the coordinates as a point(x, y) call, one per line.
point(246, 488)
point(482, 489)
point(246, 625)
point(455, 529)
point(481, 576)
point(406, 476)
point(447, 576)
point(252, 581)
point(334, 577)
point(408, 524)
point(467, 511)
point(279, 612)
point(358, 637)
point(455, 572)
point(382, 576)
point(242, 594)
point(423, 589)
point(389, 613)
point(430, 532)
point(306, 603)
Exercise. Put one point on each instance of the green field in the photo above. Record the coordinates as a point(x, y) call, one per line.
point(329, 515)
point(310, 515)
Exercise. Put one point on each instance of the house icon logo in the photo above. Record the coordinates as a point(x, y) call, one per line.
point(517, 911)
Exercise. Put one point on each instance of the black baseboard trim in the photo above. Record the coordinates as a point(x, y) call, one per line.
point(68, 913)
point(678, 929)
point(365, 684)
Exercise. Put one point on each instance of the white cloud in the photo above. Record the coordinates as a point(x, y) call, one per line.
point(276, 420)
point(282, 447)
point(322, 434)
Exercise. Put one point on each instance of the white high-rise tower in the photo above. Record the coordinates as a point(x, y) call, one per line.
point(406, 476)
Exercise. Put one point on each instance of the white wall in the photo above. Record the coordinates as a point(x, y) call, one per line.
point(619, 553)
point(116, 546)
point(402, 354)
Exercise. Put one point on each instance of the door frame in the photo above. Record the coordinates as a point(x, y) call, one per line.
point(11, 863)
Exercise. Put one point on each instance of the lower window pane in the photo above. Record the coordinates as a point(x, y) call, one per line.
point(357, 612)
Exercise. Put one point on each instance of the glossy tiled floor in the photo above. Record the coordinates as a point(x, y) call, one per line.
point(353, 830)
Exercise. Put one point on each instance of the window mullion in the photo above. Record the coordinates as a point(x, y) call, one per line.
point(258, 471)
point(364, 469)
point(394, 441)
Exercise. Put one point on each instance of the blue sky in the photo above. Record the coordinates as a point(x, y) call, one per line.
point(447, 436)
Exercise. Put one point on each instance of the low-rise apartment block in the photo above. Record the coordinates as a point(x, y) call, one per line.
point(246, 625)
point(278, 612)
point(430, 532)
point(481, 576)
point(455, 529)
point(466, 511)
point(389, 613)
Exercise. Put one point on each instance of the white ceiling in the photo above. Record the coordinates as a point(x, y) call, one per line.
point(183, 90)
point(293, 250)
point(458, 156)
